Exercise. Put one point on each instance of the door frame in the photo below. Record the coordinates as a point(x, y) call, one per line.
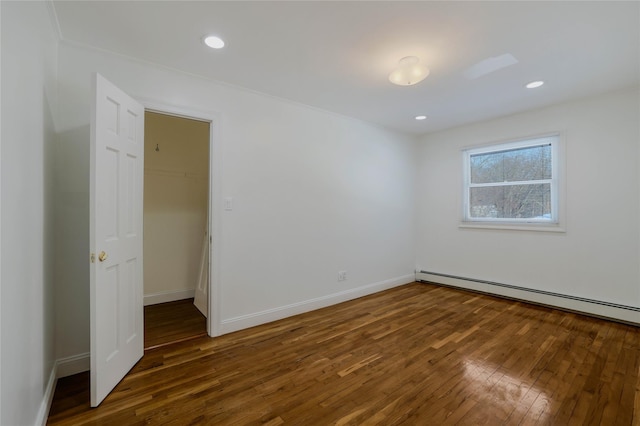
point(215, 199)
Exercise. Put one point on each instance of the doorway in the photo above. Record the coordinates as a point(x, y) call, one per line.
point(176, 228)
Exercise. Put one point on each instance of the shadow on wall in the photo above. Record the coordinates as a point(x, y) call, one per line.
point(48, 235)
point(72, 242)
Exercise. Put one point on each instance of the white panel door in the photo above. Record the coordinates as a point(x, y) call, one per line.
point(201, 296)
point(117, 164)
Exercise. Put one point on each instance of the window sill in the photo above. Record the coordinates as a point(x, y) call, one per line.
point(539, 227)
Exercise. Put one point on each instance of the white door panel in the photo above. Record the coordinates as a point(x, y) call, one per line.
point(116, 287)
point(202, 286)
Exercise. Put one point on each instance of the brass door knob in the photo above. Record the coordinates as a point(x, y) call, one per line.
point(102, 256)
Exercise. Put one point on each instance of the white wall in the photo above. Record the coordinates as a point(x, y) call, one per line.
point(72, 244)
point(29, 61)
point(597, 257)
point(0, 217)
point(313, 193)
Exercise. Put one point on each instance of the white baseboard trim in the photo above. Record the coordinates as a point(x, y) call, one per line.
point(73, 365)
point(61, 368)
point(168, 296)
point(245, 321)
point(47, 398)
point(628, 314)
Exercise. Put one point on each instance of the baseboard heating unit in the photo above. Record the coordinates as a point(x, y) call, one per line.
point(624, 313)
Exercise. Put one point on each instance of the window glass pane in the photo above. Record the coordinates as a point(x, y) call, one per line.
point(521, 164)
point(511, 202)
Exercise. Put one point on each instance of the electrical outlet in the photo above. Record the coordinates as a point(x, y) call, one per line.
point(342, 275)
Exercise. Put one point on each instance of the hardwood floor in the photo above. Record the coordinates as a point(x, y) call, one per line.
point(172, 322)
point(419, 354)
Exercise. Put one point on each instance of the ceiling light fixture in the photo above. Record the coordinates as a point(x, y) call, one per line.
point(534, 84)
point(214, 42)
point(409, 72)
point(421, 117)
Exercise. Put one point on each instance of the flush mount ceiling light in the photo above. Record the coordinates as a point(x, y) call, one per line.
point(421, 117)
point(534, 84)
point(214, 42)
point(409, 72)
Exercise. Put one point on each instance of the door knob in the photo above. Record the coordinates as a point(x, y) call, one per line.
point(102, 256)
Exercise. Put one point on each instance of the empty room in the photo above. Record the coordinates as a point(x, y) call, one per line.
point(367, 212)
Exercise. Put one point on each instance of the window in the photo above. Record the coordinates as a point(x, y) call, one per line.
point(512, 183)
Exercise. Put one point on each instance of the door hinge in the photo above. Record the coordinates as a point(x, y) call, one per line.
point(93, 258)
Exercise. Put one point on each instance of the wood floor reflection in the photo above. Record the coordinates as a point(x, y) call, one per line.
point(419, 354)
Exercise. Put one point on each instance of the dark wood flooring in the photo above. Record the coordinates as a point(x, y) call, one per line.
point(172, 322)
point(419, 354)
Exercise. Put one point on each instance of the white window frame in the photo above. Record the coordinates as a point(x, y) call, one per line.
point(551, 224)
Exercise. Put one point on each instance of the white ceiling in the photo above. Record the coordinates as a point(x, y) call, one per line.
point(337, 55)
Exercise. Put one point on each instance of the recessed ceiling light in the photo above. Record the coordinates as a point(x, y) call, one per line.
point(534, 84)
point(214, 42)
point(421, 117)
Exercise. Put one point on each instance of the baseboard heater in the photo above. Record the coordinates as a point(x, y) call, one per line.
point(624, 313)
